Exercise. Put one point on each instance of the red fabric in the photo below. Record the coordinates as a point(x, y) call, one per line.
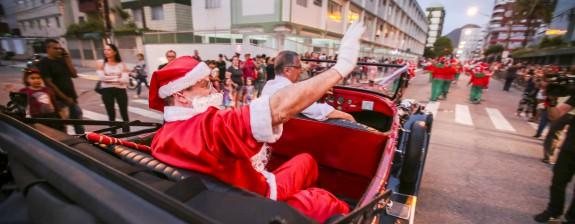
point(479, 81)
point(442, 72)
point(220, 143)
point(249, 69)
point(40, 101)
point(306, 202)
point(174, 70)
point(107, 140)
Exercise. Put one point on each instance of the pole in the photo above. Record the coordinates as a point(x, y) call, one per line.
point(107, 22)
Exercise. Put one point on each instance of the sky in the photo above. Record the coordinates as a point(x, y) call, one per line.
point(456, 12)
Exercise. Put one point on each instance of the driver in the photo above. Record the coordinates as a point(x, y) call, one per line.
point(231, 144)
point(288, 69)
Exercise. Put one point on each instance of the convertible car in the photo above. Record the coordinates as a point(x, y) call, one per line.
point(374, 164)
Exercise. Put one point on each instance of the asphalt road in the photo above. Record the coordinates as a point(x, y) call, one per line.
point(483, 166)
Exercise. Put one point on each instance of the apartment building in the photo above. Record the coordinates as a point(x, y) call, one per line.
point(161, 15)
point(506, 31)
point(435, 15)
point(395, 28)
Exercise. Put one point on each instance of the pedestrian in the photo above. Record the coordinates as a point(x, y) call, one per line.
point(249, 69)
point(41, 99)
point(528, 102)
point(262, 76)
point(221, 64)
point(237, 78)
point(564, 170)
point(510, 75)
point(541, 110)
point(193, 137)
point(551, 141)
point(441, 74)
point(170, 56)
point(270, 69)
point(249, 92)
point(114, 76)
point(57, 72)
point(479, 80)
point(197, 55)
point(141, 74)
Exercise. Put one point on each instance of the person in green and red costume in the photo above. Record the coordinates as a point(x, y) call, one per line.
point(480, 75)
point(442, 74)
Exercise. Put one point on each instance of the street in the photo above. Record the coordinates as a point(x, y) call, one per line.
point(483, 166)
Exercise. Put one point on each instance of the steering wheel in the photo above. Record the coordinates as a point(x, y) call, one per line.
point(350, 124)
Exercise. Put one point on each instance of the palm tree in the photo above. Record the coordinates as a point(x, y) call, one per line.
point(534, 12)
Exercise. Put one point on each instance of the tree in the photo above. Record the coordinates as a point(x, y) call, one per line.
point(428, 52)
point(552, 42)
point(534, 12)
point(442, 47)
point(494, 49)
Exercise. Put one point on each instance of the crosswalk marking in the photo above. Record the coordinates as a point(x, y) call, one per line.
point(140, 101)
point(146, 113)
point(432, 107)
point(498, 120)
point(94, 116)
point(462, 115)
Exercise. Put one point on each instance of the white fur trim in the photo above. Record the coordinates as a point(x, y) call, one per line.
point(189, 79)
point(261, 121)
point(175, 113)
point(271, 180)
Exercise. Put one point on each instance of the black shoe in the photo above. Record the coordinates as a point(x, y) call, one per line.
point(545, 216)
point(536, 136)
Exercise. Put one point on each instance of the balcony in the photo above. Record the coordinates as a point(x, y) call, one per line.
point(497, 18)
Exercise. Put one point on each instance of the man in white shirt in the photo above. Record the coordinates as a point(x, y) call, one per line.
point(288, 69)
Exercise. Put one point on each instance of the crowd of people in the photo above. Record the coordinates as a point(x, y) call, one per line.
point(247, 80)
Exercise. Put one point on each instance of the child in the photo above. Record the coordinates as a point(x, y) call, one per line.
point(479, 81)
point(228, 91)
point(249, 91)
point(40, 98)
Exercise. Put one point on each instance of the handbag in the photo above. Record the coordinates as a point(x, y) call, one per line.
point(98, 87)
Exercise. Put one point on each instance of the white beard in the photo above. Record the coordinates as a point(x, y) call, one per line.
point(201, 104)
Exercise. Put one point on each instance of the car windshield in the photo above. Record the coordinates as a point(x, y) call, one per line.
point(377, 77)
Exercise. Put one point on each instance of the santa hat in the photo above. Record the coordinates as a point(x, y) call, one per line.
point(178, 75)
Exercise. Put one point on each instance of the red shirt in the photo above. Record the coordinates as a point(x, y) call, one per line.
point(479, 80)
point(40, 101)
point(248, 69)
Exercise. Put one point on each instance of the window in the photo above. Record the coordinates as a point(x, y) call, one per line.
point(213, 4)
point(353, 15)
point(334, 11)
point(436, 13)
point(57, 21)
point(301, 2)
point(47, 20)
point(137, 14)
point(158, 12)
point(81, 19)
point(318, 2)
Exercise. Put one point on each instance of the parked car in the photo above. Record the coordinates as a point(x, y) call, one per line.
point(374, 164)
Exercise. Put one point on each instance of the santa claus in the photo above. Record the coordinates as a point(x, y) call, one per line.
point(231, 144)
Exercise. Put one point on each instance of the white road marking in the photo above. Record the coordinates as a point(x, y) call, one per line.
point(499, 120)
point(142, 112)
point(432, 107)
point(462, 115)
point(146, 113)
point(94, 116)
point(140, 101)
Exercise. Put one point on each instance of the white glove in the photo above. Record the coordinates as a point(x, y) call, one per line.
point(349, 49)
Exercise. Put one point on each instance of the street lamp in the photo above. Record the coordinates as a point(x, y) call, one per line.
point(474, 10)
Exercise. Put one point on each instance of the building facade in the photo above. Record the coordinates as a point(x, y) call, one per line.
point(395, 28)
point(563, 22)
point(470, 42)
point(435, 16)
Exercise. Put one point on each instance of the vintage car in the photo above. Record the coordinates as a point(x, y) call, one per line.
point(375, 165)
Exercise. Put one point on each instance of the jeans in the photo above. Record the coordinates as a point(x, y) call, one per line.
point(543, 121)
point(72, 112)
point(139, 85)
point(552, 137)
point(507, 85)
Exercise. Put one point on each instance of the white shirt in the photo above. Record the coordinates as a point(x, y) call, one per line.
point(316, 111)
point(114, 76)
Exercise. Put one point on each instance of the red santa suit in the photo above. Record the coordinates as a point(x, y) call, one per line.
point(230, 145)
